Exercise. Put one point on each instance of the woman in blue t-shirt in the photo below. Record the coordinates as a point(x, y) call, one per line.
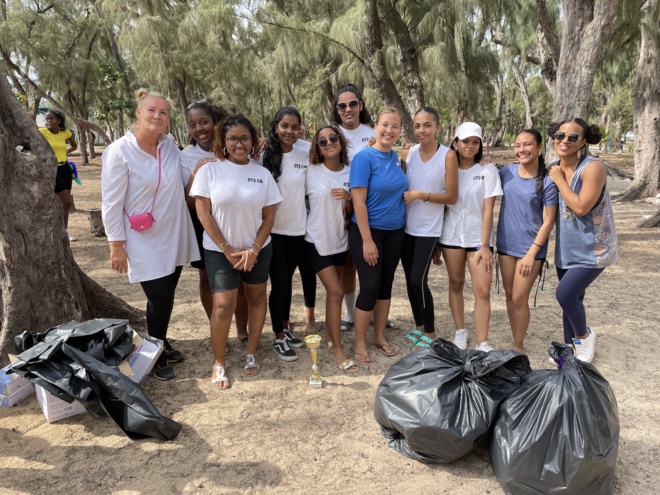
point(376, 233)
point(526, 218)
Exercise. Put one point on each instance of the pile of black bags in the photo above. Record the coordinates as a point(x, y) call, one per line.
point(75, 361)
point(550, 431)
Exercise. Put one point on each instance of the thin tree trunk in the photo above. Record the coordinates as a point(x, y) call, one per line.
point(520, 79)
point(500, 129)
point(646, 112)
point(181, 95)
point(82, 144)
point(92, 149)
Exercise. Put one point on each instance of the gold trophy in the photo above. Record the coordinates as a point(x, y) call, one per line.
point(313, 342)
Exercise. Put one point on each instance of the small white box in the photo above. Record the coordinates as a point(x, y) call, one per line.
point(147, 351)
point(56, 409)
point(13, 388)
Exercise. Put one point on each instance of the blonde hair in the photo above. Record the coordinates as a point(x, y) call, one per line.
point(140, 97)
point(385, 110)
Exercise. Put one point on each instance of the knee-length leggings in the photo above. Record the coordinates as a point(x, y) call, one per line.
point(573, 283)
point(416, 261)
point(376, 281)
point(289, 252)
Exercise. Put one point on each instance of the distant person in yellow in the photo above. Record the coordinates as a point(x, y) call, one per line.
point(58, 136)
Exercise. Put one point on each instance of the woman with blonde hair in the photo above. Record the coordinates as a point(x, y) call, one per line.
point(145, 216)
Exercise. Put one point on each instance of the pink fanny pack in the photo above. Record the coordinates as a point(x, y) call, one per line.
point(144, 221)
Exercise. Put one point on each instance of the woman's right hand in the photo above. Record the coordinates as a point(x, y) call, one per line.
point(526, 264)
point(370, 252)
point(118, 258)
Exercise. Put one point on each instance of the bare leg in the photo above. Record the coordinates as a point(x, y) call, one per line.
point(256, 301)
point(224, 304)
point(481, 281)
point(381, 312)
point(330, 280)
point(455, 261)
point(65, 200)
point(205, 295)
point(362, 319)
point(241, 314)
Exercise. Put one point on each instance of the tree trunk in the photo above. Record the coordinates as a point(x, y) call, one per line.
point(40, 283)
point(646, 112)
point(520, 79)
point(82, 144)
point(548, 46)
point(92, 150)
point(652, 222)
point(181, 95)
point(500, 129)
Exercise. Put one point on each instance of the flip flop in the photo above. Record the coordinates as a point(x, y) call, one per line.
point(362, 358)
point(384, 352)
point(412, 338)
point(348, 366)
point(422, 343)
point(227, 351)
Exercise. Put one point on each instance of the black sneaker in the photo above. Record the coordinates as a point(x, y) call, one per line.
point(171, 354)
point(283, 351)
point(292, 340)
point(163, 371)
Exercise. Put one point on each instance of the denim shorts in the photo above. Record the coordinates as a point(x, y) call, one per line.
point(223, 277)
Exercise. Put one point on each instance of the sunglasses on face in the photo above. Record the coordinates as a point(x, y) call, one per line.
point(342, 106)
point(323, 142)
point(572, 138)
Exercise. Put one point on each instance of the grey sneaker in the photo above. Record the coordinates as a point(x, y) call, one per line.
point(586, 348)
point(292, 340)
point(460, 339)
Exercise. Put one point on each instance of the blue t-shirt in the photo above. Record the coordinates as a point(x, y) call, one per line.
point(381, 174)
point(521, 213)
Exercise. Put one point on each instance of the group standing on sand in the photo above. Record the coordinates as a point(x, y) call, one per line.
point(243, 210)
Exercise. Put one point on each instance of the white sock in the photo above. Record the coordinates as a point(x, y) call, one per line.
point(349, 301)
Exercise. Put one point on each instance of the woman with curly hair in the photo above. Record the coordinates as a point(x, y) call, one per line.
point(326, 186)
point(235, 199)
point(586, 238)
point(287, 165)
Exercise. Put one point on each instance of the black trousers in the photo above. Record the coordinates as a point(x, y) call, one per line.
point(376, 281)
point(416, 260)
point(160, 302)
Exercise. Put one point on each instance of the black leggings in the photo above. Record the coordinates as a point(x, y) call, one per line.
point(160, 302)
point(416, 261)
point(289, 252)
point(376, 281)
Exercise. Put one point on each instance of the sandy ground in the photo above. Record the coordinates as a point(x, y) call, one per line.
point(274, 435)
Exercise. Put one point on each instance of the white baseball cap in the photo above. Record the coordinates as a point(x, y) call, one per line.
point(468, 129)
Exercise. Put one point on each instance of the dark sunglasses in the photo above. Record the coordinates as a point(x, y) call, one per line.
point(352, 104)
point(323, 142)
point(572, 138)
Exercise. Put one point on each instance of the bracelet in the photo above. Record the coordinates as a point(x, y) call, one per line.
point(258, 246)
point(480, 245)
point(253, 251)
point(350, 196)
point(540, 247)
point(428, 197)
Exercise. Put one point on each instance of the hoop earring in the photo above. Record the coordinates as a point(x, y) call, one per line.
point(224, 152)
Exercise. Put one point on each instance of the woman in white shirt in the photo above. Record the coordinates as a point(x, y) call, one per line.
point(432, 173)
point(326, 187)
point(287, 165)
point(142, 175)
point(467, 234)
point(235, 199)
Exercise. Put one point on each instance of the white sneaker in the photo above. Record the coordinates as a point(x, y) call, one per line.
point(586, 348)
point(72, 238)
point(460, 339)
point(484, 347)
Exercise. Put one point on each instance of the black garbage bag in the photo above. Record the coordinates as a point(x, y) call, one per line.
point(73, 362)
point(558, 433)
point(437, 404)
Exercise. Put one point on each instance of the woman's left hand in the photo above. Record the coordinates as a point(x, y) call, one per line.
point(410, 196)
point(247, 260)
point(484, 254)
point(340, 193)
point(556, 174)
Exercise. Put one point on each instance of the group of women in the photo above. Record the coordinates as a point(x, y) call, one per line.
point(342, 204)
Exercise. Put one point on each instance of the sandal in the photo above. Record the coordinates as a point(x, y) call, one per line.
point(346, 326)
point(220, 376)
point(362, 358)
point(227, 350)
point(331, 346)
point(390, 324)
point(349, 366)
point(422, 343)
point(244, 342)
point(411, 338)
point(252, 364)
point(383, 349)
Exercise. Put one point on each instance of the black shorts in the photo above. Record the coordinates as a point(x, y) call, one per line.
point(468, 250)
point(64, 178)
point(199, 235)
point(223, 277)
point(319, 262)
point(542, 260)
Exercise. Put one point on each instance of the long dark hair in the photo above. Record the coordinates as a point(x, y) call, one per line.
point(273, 153)
point(542, 170)
point(60, 116)
point(365, 116)
point(216, 113)
point(221, 128)
point(315, 155)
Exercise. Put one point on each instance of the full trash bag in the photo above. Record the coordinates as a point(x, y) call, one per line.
point(438, 404)
point(558, 433)
point(73, 362)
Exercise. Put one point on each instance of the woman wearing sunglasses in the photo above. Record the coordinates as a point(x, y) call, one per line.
point(586, 238)
point(326, 186)
point(527, 215)
point(376, 233)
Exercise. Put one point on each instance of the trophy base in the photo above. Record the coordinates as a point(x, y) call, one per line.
point(315, 383)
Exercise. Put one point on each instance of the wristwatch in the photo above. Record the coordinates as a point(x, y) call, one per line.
point(224, 246)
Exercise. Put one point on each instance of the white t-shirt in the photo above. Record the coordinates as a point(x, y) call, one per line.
point(238, 194)
point(291, 213)
point(325, 222)
point(424, 219)
point(129, 178)
point(303, 145)
point(192, 154)
point(463, 220)
point(357, 139)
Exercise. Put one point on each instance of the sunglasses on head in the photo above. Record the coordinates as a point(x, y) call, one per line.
point(323, 142)
point(352, 104)
point(572, 138)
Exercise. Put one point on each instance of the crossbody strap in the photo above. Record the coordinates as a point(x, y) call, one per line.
point(157, 187)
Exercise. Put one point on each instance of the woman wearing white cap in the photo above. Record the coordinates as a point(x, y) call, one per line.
point(467, 234)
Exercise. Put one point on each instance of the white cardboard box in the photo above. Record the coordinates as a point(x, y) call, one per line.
point(13, 388)
point(141, 362)
point(56, 409)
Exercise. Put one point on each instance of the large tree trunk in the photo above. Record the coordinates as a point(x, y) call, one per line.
point(40, 283)
point(646, 112)
point(652, 222)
